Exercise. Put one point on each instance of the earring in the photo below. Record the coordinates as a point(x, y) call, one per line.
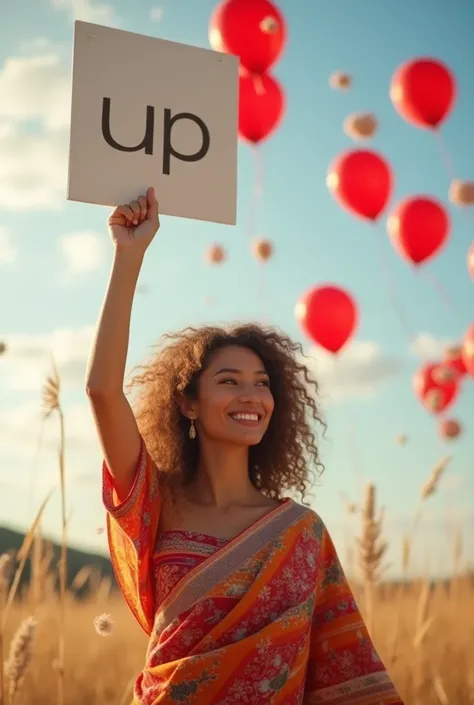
point(192, 430)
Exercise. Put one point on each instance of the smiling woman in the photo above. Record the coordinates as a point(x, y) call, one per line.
point(238, 586)
point(202, 381)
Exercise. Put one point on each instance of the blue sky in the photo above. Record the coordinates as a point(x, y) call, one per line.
point(50, 297)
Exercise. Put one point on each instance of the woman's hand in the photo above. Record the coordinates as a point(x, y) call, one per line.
point(133, 227)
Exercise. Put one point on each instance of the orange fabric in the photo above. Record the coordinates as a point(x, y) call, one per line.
point(281, 627)
point(132, 526)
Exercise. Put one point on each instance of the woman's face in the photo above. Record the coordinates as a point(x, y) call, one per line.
point(234, 402)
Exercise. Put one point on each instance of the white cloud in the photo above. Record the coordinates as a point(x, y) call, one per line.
point(359, 371)
point(36, 87)
point(429, 347)
point(28, 359)
point(88, 11)
point(20, 428)
point(8, 252)
point(6, 130)
point(33, 163)
point(156, 14)
point(83, 252)
point(33, 169)
point(37, 44)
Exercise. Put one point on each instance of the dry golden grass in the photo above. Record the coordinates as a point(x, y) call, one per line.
point(99, 671)
point(55, 648)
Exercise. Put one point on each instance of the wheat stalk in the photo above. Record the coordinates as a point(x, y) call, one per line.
point(457, 550)
point(81, 577)
point(428, 489)
point(6, 566)
point(432, 484)
point(22, 557)
point(51, 403)
point(371, 550)
point(439, 688)
point(19, 657)
point(6, 603)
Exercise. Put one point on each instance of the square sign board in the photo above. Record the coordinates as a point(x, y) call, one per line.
point(148, 112)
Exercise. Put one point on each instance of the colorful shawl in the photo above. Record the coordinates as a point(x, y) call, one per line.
point(268, 618)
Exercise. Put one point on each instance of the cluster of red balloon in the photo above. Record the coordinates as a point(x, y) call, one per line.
point(255, 31)
point(437, 384)
point(423, 91)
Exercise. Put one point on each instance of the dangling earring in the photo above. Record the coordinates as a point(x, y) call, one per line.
point(192, 431)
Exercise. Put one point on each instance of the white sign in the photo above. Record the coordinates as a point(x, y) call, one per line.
point(148, 112)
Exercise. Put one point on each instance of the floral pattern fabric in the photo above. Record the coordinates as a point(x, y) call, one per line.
point(176, 553)
point(267, 617)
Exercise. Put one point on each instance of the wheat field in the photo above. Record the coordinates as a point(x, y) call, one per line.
point(425, 635)
point(57, 646)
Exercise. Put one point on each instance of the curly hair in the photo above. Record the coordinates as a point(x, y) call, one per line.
point(287, 458)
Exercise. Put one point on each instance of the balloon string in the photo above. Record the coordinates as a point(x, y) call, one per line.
point(262, 294)
point(257, 191)
point(253, 220)
point(445, 155)
point(393, 294)
point(449, 166)
point(437, 286)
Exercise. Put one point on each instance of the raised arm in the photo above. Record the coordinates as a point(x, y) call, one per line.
point(132, 228)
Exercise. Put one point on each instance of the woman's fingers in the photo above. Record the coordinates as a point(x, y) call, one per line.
point(136, 212)
point(124, 211)
point(143, 208)
point(135, 208)
point(152, 204)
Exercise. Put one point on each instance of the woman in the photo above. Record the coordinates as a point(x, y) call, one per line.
point(240, 590)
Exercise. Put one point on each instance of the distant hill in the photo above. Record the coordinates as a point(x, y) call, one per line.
point(76, 559)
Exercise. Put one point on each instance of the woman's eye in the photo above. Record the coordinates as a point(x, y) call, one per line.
point(262, 382)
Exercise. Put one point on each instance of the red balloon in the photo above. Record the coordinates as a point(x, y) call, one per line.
point(449, 428)
point(328, 315)
point(418, 228)
point(435, 386)
point(468, 350)
point(453, 359)
point(423, 91)
point(361, 181)
point(253, 30)
point(261, 106)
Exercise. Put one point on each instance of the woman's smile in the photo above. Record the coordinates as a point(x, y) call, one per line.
point(246, 418)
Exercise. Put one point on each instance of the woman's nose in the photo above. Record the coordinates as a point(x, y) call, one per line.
point(248, 393)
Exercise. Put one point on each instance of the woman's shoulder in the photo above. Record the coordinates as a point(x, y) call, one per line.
point(311, 519)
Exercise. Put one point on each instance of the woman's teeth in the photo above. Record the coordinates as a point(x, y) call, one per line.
point(244, 417)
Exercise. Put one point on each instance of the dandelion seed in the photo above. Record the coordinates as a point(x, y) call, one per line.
point(104, 624)
point(20, 655)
